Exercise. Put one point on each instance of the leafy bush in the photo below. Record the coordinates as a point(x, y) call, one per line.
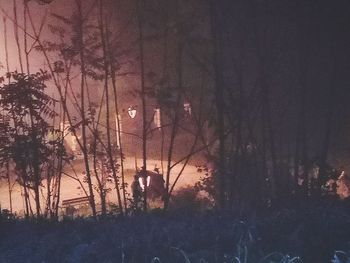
point(188, 200)
point(310, 234)
point(6, 215)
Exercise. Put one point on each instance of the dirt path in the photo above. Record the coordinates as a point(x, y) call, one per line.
point(71, 187)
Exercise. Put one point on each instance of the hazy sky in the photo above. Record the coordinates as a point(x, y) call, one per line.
point(38, 13)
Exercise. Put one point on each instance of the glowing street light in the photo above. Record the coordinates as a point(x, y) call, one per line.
point(132, 112)
point(187, 108)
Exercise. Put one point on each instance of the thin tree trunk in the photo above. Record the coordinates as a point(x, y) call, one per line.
point(25, 34)
point(332, 98)
point(6, 45)
point(15, 26)
point(234, 188)
point(35, 164)
point(301, 156)
point(143, 102)
point(166, 78)
point(330, 109)
point(9, 184)
point(170, 153)
point(48, 212)
point(119, 137)
point(82, 94)
point(7, 70)
point(60, 161)
point(219, 99)
point(100, 182)
point(118, 121)
point(109, 142)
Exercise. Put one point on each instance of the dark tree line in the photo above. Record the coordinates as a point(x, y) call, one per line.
point(282, 80)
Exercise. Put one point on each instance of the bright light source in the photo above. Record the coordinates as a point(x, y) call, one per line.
point(342, 175)
point(118, 129)
point(187, 108)
point(141, 183)
point(156, 118)
point(148, 182)
point(132, 112)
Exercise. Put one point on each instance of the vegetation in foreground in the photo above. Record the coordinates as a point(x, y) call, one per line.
point(310, 233)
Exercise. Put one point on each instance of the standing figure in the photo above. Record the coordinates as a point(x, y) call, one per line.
point(136, 192)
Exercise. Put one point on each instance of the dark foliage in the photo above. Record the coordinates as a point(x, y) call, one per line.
point(313, 234)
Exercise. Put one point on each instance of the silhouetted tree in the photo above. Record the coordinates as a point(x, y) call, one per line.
point(28, 107)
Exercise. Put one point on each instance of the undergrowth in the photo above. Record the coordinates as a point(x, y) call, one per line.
point(317, 234)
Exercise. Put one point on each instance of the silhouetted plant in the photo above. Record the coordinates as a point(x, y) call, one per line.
point(28, 109)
